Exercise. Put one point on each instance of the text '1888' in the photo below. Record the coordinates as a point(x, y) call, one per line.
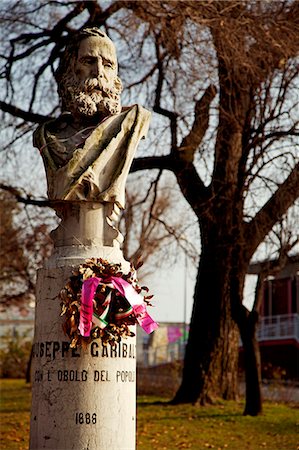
point(85, 418)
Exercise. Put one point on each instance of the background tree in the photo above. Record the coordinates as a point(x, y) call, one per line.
point(220, 76)
point(25, 243)
point(152, 233)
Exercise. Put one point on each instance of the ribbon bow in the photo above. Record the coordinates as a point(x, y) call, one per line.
point(126, 290)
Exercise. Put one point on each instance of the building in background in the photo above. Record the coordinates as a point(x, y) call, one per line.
point(278, 330)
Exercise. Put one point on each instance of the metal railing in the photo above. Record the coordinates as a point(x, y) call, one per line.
point(285, 326)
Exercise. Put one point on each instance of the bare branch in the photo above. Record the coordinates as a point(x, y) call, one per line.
point(276, 135)
point(29, 51)
point(191, 142)
point(61, 25)
point(25, 115)
point(275, 207)
point(28, 200)
point(152, 162)
point(97, 15)
point(53, 55)
point(144, 78)
point(172, 116)
point(192, 186)
point(155, 185)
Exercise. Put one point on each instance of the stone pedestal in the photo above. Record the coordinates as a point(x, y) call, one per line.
point(82, 399)
point(87, 225)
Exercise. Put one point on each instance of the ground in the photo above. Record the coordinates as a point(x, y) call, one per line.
point(164, 427)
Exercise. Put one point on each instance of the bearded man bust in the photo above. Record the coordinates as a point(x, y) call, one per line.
point(88, 150)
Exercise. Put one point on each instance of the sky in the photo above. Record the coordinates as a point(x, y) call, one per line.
point(173, 296)
point(173, 293)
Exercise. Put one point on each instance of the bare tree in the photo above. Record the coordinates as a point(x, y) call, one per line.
point(220, 76)
point(153, 233)
point(24, 245)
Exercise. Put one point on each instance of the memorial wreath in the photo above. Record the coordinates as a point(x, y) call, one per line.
point(100, 301)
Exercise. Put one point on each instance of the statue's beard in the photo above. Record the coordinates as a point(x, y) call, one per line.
point(91, 99)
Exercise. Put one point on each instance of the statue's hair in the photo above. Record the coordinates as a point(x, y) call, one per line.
point(69, 56)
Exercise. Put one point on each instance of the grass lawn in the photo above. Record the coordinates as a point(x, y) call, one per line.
point(166, 427)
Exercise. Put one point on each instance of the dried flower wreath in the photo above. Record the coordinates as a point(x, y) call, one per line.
point(99, 301)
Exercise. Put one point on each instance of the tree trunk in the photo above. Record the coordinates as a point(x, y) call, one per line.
point(247, 323)
point(252, 361)
point(211, 359)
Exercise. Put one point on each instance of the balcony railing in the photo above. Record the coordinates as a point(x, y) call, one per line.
point(278, 327)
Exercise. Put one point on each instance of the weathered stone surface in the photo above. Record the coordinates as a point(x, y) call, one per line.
point(97, 170)
point(82, 399)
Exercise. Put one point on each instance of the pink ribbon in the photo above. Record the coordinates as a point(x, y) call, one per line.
point(88, 290)
point(137, 303)
point(126, 290)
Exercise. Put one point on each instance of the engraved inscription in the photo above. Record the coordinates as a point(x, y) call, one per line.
point(50, 350)
point(120, 376)
point(125, 376)
point(85, 418)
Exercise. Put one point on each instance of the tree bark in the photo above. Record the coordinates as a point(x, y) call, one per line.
point(247, 322)
point(252, 363)
point(211, 359)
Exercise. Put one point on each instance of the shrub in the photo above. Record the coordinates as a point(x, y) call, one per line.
point(14, 355)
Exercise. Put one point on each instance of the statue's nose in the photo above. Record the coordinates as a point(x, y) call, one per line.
point(97, 68)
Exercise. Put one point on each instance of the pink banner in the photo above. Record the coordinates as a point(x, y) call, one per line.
point(126, 290)
point(137, 302)
point(144, 319)
point(88, 290)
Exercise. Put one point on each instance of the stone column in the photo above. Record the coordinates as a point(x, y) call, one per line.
point(82, 399)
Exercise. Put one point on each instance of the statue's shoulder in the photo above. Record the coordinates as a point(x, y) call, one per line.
point(52, 126)
point(140, 115)
point(136, 108)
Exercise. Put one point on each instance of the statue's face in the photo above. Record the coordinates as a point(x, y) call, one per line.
point(89, 87)
point(96, 59)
